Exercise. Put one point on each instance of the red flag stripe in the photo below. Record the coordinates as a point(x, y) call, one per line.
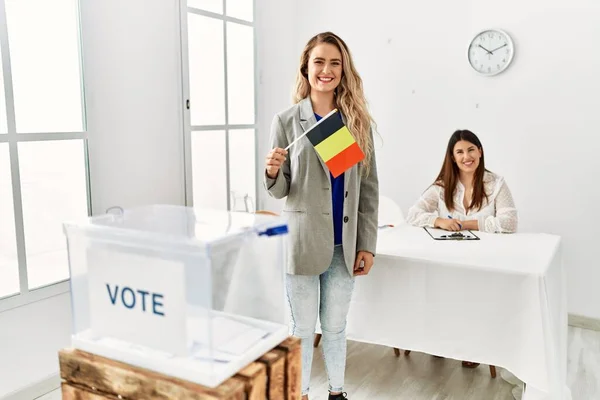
point(345, 160)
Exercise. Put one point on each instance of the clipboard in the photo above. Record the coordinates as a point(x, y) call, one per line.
point(440, 234)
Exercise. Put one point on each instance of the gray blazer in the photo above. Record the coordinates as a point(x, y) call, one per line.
point(304, 179)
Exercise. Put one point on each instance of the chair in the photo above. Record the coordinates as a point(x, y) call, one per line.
point(317, 340)
point(389, 212)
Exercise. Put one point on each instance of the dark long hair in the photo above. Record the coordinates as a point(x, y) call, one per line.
point(448, 176)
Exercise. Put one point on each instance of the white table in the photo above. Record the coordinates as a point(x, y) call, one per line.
point(500, 300)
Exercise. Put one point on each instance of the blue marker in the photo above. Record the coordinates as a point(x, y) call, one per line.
point(459, 225)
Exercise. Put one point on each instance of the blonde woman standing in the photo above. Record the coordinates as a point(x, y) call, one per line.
point(332, 221)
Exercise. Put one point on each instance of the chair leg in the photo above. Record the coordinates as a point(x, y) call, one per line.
point(397, 352)
point(317, 339)
point(493, 371)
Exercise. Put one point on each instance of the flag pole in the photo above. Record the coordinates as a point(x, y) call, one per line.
point(311, 128)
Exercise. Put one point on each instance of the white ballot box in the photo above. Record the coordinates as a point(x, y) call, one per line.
point(192, 293)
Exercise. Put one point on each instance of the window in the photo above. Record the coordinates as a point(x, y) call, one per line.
point(43, 167)
point(221, 137)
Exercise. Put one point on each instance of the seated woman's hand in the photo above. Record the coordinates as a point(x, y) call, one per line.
point(453, 225)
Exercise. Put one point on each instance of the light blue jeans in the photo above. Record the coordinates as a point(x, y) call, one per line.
point(335, 288)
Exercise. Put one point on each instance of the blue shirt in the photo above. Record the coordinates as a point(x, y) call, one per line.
point(337, 199)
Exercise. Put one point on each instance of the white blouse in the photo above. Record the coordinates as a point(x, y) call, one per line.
point(497, 214)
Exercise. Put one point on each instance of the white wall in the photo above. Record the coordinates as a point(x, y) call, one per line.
point(30, 337)
point(132, 70)
point(538, 121)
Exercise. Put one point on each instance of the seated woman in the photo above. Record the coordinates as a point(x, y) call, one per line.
point(466, 196)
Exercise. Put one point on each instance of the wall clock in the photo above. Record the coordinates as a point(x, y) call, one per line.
point(490, 52)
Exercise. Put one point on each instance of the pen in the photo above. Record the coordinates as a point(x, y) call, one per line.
point(459, 225)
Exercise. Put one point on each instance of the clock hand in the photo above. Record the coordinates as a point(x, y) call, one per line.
point(489, 52)
point(498, 48)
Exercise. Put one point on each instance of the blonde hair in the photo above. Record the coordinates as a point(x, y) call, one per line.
point(349, 98)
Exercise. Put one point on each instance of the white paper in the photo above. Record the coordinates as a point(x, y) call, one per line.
point(229, 337)
point(133, 348)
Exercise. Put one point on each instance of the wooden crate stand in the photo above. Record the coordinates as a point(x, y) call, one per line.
point(276, 375)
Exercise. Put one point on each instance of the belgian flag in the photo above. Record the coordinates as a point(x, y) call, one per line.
point(335, 144)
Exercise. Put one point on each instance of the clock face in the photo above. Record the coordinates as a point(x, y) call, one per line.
point(491, 52)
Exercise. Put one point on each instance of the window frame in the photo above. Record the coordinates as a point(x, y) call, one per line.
point(226, 127)
point(27, 295)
